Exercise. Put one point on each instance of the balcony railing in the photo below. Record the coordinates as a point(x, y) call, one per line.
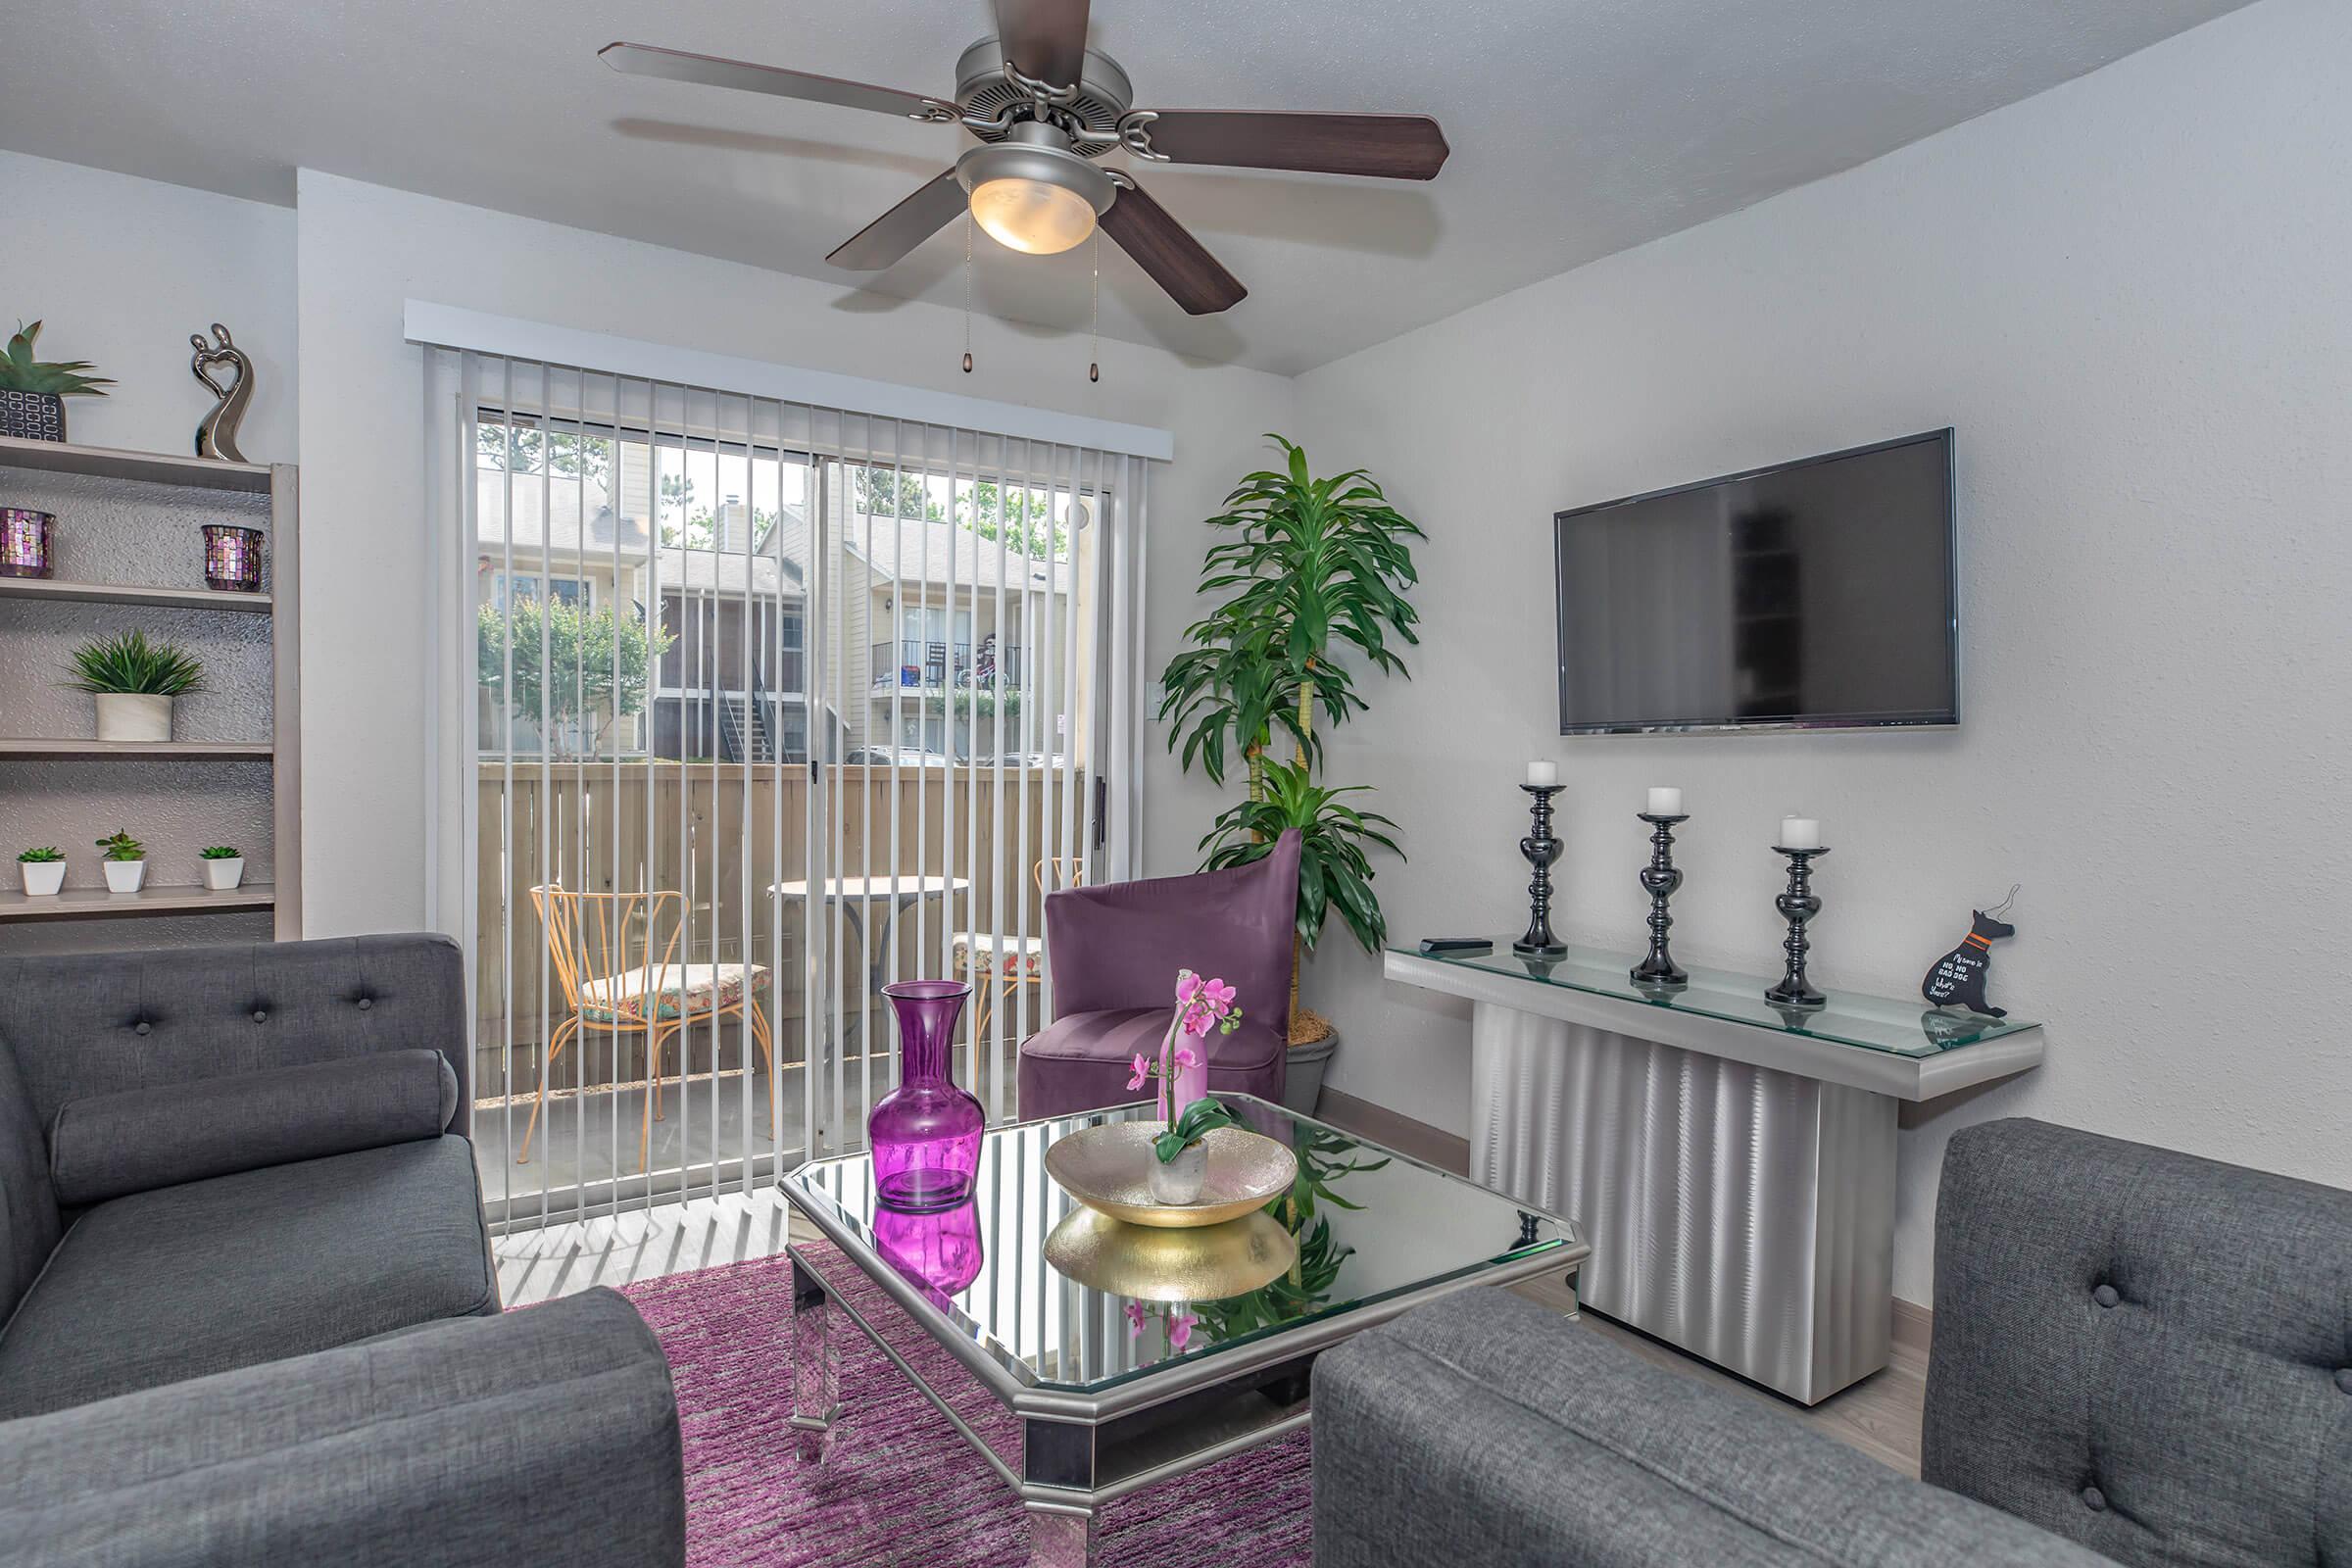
point(915, 665)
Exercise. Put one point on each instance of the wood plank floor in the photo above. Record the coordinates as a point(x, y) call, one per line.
point(1878, 1416)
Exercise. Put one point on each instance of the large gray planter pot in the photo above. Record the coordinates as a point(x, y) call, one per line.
point(1302, 1075)
point(32, 415)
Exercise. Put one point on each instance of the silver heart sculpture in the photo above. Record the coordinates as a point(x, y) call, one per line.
point(216, 436)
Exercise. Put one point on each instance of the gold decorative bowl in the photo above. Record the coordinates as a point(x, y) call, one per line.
point(1201, 1263)
point(1108, 1168)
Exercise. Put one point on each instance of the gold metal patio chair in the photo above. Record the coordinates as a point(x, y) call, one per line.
point(998, 964)
point(615, 955)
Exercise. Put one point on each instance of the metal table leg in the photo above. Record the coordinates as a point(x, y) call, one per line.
point(1061, 1538)
point(814, 1390)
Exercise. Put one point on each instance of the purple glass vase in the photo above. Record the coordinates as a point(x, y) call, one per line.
point(941, 1253)
point(926, 1134)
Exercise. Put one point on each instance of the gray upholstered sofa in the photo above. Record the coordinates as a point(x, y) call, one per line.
point(2140, 1357)
point(251, 1317)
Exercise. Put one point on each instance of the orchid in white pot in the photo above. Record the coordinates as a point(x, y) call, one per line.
point(1202, 1005)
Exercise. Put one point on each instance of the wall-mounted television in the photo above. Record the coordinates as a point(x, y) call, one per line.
point(1821, 594)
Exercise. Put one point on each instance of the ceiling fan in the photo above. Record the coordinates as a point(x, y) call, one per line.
point(1045, 108)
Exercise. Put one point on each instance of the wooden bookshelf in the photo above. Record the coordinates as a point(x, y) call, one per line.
point(56, 476)
point(98, 904)
point(48, 591)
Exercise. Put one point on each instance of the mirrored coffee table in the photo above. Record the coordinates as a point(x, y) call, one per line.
point(1084, 1359)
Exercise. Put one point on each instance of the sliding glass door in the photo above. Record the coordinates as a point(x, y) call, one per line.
point(751, 709)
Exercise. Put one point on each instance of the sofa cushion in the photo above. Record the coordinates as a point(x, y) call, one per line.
point(108, 1145)
point(2142, 1349)
point(1484, 1430)
point(1082, 1061)
point(253, 1267)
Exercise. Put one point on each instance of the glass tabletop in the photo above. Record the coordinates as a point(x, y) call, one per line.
point(1850, 1019)
point(1064, 1298)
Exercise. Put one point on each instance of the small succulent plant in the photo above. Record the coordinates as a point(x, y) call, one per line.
point(120, 845)
point(19, 372)
point(41, 856)
point(220, 852)
point(130, 664)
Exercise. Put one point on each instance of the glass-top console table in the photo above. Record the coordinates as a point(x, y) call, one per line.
point(1732, 1162)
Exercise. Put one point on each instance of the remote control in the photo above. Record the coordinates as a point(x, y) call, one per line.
point(1456, 945)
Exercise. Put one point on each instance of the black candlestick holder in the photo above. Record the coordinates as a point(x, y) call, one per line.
point(1540, 850)
point(1797, 905)
point(1661, 878)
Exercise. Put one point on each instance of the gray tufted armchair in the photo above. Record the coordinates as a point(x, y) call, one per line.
point(2140, 1357)
point(249, 1311)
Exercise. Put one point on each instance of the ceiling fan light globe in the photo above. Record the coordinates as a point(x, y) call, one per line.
point(1032, 215)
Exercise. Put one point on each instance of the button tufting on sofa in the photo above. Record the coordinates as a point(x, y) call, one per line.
point(261, 1016)
point(2344, 1378)
point(2095, 1499)
point(366, 1002)
point(2105, 1296)
point(140, 1027)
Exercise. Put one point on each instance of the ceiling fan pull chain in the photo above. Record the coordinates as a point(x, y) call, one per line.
point(968, 292)
point(1094, 342)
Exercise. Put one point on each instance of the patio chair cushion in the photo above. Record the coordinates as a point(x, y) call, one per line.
point(679, 991)
point(1082, 1061)
point(987, 953)
point(237, 1270)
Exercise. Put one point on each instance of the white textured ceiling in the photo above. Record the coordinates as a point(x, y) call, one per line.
point(1579, 127)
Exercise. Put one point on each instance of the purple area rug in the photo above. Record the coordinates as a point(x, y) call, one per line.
point(898, 1485)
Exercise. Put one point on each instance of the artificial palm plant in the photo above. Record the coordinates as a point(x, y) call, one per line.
point(32, 393)
point(1309, 568)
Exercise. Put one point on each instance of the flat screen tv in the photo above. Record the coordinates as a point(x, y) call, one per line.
point(1815, 595)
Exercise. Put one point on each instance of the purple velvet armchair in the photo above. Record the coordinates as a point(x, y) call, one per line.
point(1114, 950)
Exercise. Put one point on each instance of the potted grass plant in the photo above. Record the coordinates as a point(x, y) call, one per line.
point(134, 682)
point(43, 871)
point(32, 394)
point(124, 858)
point(224, 867)
point(1312, 575)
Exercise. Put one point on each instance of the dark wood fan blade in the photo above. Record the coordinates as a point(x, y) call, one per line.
point(882, 242)
point(1177, 261)
point(1388, 146)
point(710, 71)
point(1045, 39)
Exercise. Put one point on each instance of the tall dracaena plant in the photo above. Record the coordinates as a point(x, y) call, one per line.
point(1304, 567)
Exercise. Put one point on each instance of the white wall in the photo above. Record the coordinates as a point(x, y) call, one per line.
point(364, 249)
point(121, 271)
point(2128, 295)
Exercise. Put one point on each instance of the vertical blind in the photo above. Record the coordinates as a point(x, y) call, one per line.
point(744, 709)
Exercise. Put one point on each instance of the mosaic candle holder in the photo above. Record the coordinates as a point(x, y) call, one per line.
point(232, 558)
point(25, 542)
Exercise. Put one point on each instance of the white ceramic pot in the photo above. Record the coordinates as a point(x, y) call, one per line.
point(124, 876)
point(133, 716)
point(42, 879)
point(223, 875)
point(1179, 1180)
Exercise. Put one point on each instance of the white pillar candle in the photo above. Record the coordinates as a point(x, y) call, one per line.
point(1665, 802)
point(1800, 833)
point(1543, 775)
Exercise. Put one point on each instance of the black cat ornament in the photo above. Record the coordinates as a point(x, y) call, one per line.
point(1957, 979)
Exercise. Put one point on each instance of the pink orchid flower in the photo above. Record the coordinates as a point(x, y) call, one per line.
point(1219, 994)
point(1186, 1057)
point(1199, 1020)
point(1188, 985)
point(1134, 1318)
point(1180, 1331)
point(1140, 1071)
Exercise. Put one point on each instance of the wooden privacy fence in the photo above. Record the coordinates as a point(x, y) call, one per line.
point(722, 839)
